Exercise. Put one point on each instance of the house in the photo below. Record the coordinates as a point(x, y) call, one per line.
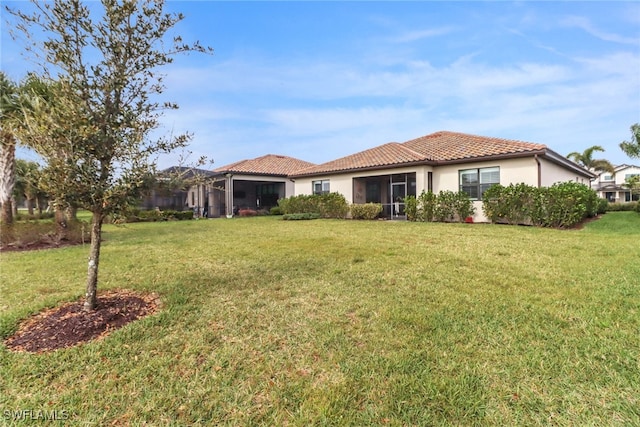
point(254, 183)
point(169, 191)
point(612, 186)
point(440, 161)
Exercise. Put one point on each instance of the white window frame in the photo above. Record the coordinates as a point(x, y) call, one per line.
point(484, 179)
point(324, 185)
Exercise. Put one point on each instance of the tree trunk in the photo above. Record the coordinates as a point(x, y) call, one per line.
point(91, 298)
point(61, 222)
point(71, 213)
point(30, 206)
point(7, 176)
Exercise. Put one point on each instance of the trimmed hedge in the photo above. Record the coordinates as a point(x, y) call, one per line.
point(330, 205)
point(300, 216)
point(446, 206)
point(563, 205)
point(153, 215)
point(627, 206)
point(368, 211)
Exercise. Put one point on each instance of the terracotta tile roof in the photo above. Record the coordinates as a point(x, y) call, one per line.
point(390, 154)
point(449, 146)
point(270, 164)
point(430, 149)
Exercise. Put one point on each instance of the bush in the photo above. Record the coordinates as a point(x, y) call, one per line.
point(331, 205)
point(247, 212)
point(512, 205)
point(563, 205)
point(603, 206)
point(300, 216)
point(276, 210)
point(26, 217)
point(452, 207)
point(447, 206)
point(152, 215)
point(367, 211)
point(628, 206)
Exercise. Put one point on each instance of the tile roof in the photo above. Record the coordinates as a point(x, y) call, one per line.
point(448, 146)
point(439, 147)
point(270, 164)
point(390, 154)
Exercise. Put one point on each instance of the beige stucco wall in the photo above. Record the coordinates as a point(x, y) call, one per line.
point(446, 177)
point(553, 173)
point(343, 183)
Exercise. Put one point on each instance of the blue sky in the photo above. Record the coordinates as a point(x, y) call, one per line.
point(321, 80)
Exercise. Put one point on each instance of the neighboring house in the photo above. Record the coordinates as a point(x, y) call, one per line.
point(440, 161)
point(254, 184)
point(168, 194)
point(612, 186)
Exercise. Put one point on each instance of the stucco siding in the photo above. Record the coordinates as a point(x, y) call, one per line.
point(343, 183)
point(553, 173)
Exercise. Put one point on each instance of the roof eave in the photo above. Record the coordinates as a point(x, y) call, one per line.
point(362, 169)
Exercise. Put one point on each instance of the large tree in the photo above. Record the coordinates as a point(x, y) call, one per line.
point(106, 106)
point(632, 148)
point(9, 112)
point(586, 160)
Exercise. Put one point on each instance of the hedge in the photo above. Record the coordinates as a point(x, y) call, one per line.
point(330, 205)
point(446, 206)
point(563, 205)
point(366, 211)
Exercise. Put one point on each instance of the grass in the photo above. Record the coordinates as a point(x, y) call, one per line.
point(271, 322)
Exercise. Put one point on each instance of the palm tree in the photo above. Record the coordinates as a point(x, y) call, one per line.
point(632, 148)
point(586, 160)
point(9, 111)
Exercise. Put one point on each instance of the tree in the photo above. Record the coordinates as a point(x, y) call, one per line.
point(9, 112)
point(28, 175)
point(632, 148)
point(105, 108)
point(633, 184)
point(586, 160)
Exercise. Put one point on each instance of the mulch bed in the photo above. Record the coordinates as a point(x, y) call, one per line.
point(69, 325)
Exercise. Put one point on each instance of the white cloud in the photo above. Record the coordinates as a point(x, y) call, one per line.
point(586, 25)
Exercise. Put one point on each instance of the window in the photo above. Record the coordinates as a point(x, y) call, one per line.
point(607, 178)
point(475, 182)
point(320, 187)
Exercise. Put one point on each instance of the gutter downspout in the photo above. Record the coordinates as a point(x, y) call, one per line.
point(535, 157)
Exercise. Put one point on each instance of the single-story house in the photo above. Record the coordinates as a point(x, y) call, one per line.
point(612, 186)
point(440, 161)
point(169, 192)
point(254, 184)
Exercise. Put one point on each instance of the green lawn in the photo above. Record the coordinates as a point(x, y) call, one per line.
point(326, 322)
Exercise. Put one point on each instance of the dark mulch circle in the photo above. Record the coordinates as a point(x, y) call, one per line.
point(69, 324)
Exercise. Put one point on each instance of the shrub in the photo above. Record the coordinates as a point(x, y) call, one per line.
point(276, 210)
point(427, 206)
point(603, 205)
point(300, 204)
point(300, 216)
point(511, 205)
point(410, 208)
point(331, 205)
point(367, 211)
point(247, 212)
point(617, 207)
point(562, 205)
point(447, 206)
